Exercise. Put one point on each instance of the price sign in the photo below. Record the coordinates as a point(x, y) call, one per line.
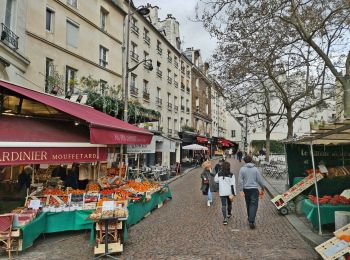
point(108, 205)
point(34, 204)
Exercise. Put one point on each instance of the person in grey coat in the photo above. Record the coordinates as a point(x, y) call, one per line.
point(208, 183)
point(249, 181)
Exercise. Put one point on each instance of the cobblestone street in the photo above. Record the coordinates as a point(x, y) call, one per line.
point(186, 228)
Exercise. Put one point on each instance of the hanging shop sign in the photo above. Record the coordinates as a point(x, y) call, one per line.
point(50, 155)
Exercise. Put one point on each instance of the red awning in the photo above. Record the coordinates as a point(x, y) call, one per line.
point(225, 143)
point(202, 139)
point(104, 129)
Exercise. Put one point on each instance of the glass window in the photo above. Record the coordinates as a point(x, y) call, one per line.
point(103, 57)
point(72, 34)
point(133, 80)
point(73, 3)
point(9, 13)
point(49, 20)
point(103, 18)
point(49, 67)
point(71, 75)
point(145, 86)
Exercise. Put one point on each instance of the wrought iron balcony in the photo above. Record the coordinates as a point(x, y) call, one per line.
point(170, 106)
point(176, 84)
point(8, 37)
point(159, 50)
point(135, 29)
point(182, 108)
point(170, 60)
point(146, 95)
point(134, 56)
point(134, 90)
point(147, 39)
point(176, 108)
point(188, 73)
point(159, 101)
point(187, 110)
point(103, 63)
point(176, 64)
point(170, 80)
point(188, 90)
point(182, 86)
point(159, 73)
point(183, 70)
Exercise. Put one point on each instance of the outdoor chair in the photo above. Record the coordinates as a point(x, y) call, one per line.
point(5, 232)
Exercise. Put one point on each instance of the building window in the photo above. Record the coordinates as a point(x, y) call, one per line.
point(159, 49)
point(9, 13)
point(71, 78)
point(103, 57)
point(103, 18)
point(72, 34)
point(133, 52)
point(73, 3)
point(49, 20)
point(145, 86)
point(103, 86)
point(49, 68)
point(233, 133)
point(146, 37)
point(133, 26)
point(187, 122)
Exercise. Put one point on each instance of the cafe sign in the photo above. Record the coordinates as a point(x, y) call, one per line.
point(47, 155)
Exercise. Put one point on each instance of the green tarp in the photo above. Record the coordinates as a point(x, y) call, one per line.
point(327, 212)
point(51, 222)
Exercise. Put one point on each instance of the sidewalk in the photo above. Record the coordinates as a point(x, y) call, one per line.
point(278, 186)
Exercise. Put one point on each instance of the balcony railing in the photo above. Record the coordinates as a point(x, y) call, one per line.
point(187, 110)
point(147, 39)
point(9, 37)
point(134, 91)
point(146, 96)
point(170, 80)
point(159, 73)
point(183, 70)
point(103, 63)
point(188, 90)
point(176, 84)
point(170, 60)
point(159, 101)
point(170, 106)
point(182, 86)
point(134, 56)
point(188, 73)
point(134, 29)
point(182, 108)
point(176, 108)
point(159, 50)
point(176, 64)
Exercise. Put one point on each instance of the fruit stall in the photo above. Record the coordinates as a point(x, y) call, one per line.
point(327, 152)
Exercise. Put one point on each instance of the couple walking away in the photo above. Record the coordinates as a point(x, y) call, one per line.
point(223, 180)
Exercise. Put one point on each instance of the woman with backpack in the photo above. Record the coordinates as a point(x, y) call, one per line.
point(227, 190)
point(208, 184)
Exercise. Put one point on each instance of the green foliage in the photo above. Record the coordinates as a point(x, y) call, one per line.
point(55, 79)
point(276, 147)
point(115, 107)
point(188, 128)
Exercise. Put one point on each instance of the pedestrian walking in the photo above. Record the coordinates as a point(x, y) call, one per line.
point(208, 184)
point(239, 155)
point(249, 181)
point(227, 190)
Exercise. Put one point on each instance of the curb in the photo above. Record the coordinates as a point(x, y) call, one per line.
point(307, 234)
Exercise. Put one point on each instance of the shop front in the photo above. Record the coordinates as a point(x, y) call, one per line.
point(49, 147)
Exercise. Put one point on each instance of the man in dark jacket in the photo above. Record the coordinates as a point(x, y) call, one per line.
point(249, 181)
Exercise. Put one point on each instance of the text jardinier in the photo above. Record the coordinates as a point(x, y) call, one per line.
point(43, 156)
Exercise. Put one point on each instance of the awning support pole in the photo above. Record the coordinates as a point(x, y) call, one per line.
point(316, 189)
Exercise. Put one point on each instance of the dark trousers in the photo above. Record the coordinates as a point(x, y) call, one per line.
point(252, 200)
point(226, 206)
point(82, 184)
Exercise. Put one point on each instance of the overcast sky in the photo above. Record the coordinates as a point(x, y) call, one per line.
point(192, 33)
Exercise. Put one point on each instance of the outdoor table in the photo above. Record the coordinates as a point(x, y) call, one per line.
point(327, 212)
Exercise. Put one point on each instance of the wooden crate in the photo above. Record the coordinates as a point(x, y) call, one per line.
point(110, 226)
point(333, 243)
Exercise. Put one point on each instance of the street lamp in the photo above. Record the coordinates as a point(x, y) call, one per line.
point(143, 11)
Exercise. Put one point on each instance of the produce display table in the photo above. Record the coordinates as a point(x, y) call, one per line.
point(51, 222)
point(326, 210)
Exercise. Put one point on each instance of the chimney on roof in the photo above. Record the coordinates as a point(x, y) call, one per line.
point(206, 68)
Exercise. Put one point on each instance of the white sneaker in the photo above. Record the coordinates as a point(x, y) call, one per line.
point(208, 203)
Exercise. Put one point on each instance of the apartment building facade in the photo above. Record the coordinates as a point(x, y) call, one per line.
point(13, 59)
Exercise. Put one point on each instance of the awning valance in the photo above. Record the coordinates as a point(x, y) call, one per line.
point(104, 129)
point(202, 139)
